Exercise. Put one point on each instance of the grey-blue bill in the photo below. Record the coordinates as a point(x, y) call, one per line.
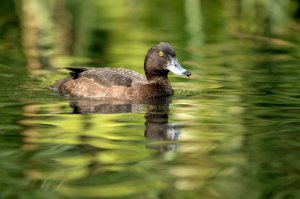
point(175, 67)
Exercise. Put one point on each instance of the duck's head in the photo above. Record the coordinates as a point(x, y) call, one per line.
point(161, 59)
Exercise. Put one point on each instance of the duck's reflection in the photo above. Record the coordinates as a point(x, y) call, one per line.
point(103, 106)
point(157, 126)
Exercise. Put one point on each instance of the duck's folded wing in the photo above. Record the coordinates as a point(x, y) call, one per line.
point(107, 76)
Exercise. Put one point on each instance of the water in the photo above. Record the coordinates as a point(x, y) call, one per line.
point(231, 130)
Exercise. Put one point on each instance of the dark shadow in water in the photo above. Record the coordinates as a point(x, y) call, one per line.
point(157, 125)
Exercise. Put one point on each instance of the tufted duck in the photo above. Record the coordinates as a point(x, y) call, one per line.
point(125, 84)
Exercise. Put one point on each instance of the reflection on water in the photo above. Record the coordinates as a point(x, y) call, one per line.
point(197, 143)
point(104, 106)
point(156, 117)
point(158, 127)
point(99, 148)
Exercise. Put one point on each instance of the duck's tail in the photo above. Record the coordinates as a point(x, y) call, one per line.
point(74, 74)
point(75, 71)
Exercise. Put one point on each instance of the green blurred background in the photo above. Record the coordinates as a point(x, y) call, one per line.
point(46, 33)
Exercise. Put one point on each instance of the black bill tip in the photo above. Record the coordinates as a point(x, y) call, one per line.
point(187, 73)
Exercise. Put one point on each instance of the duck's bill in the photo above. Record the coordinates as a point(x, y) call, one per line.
point(175, 67)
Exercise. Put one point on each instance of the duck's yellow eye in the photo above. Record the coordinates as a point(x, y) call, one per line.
point(161, 53)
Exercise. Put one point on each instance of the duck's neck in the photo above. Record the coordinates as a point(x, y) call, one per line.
point(158, 78)
point(160, 85)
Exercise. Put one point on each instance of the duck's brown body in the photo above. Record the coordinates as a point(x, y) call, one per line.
point(117, 83)
point(124, 84)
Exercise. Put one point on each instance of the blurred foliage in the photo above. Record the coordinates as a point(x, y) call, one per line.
point(48, 32)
